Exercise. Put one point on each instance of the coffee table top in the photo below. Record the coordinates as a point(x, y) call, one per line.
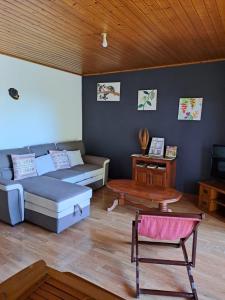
point(155, 193)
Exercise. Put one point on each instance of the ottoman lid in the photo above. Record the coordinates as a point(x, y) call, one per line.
point(53, 189)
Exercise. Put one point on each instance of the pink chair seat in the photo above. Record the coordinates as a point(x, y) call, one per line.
point(166, 228)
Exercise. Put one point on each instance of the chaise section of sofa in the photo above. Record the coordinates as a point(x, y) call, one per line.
point(54, 204)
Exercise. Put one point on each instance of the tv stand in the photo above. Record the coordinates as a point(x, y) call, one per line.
point(211, 195)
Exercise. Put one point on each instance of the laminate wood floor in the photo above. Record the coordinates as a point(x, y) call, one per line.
point(98, 249)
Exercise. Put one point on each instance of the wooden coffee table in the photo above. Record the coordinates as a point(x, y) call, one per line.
point(157, 194)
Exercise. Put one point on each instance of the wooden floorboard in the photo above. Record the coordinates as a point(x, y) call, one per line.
point(98, 249)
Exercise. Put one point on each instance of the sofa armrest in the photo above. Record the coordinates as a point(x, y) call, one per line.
point(7, 186)
point(103, 162)
point(96, 160)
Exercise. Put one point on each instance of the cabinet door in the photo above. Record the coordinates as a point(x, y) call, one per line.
point(158, 177)
point(141, 175)
point(207, 199)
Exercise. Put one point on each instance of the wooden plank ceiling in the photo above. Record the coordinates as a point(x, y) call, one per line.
point(66, 34)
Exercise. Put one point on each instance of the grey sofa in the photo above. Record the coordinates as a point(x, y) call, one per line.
point(55, 200)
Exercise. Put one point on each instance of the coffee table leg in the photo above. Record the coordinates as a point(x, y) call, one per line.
point(114, 205)
point(120, 201)
point(163, 207)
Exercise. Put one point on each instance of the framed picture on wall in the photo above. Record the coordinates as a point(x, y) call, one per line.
point(147, 99)
point(190, 109)
point(108, 91)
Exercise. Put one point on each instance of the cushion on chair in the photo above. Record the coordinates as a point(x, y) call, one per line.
point(60, 159)
point(24, 165)
point(166, 228)
point(44, 164)
point(75, 158)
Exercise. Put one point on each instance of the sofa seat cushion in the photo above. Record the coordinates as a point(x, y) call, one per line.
point(67, 175)
point(52, 193)
point(77, 173)
point(89, 170)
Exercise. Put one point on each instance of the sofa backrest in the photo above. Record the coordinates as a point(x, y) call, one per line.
point(42, 149)
point(71, 145)
point(6, 168)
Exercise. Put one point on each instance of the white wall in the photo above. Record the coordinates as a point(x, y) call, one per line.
point(49, 108)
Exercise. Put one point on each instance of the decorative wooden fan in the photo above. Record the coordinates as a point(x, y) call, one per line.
point(143, 139)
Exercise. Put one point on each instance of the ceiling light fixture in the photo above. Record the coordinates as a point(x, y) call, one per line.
point(104, 40)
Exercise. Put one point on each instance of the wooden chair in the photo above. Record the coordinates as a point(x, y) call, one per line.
point(165, 226)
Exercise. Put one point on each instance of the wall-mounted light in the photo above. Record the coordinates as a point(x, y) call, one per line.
point(104, 40)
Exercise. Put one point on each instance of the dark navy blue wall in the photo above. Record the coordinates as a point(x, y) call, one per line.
point(111, 128)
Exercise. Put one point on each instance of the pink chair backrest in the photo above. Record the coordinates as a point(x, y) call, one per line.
point(166, 228)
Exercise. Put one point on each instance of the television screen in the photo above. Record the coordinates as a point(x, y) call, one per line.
point(218, 161)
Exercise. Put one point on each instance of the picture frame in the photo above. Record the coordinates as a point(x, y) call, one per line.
point(157, 147)
point(147, 100)
point(108, 91)
point(190, 109)
point(171, 152)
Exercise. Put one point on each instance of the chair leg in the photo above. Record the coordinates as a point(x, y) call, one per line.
point(137, 263)
point(189, 272)
point(192, 283)
point(133, 242)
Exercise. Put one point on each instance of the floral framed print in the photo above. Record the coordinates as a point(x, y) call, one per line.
point(147, 99)
point(190, 109)
point(108, 91)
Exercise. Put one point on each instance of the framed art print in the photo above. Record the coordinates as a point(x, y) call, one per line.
point(147, 99)
point(108, 91)
point(190, 109)
point(157, 147)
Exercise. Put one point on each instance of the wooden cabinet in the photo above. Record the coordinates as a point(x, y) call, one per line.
point(211, 195)
point(154, 171)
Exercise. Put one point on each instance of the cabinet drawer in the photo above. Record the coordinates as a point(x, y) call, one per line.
point(207, 193)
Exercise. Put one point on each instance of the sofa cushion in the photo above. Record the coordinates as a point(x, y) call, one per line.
point(60, 159)
point(68, 175)
point(89, 170)
point(24, 165)
point(76, 174)
point(46, 188)
point(75, 158)
point(44, 164)
point(42, 149)
point(71, 145)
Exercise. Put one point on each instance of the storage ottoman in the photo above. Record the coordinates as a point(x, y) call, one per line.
point(54, 204)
